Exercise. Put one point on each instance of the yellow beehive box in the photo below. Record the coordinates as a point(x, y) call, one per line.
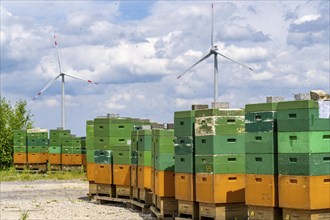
point(220, 188)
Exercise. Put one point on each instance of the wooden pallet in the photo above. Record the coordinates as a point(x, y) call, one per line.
point(72, 167)
point(134, 193)
point(235, 211)
point(165, 207)
point(188, 210)
point(31, 168)
point(55, 167)
point(264, 213)
point(145, 196)
point(92, 190)
point(297, 214)
point(123, 192)
point(105, 190)
point(144, 208)
point(106, 199)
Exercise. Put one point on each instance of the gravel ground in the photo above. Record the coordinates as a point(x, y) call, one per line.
point(57, 199)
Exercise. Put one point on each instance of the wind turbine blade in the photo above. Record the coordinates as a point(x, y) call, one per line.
point(205, 57)
point(58, 57)
point(47, 86)
point(76, 77)
point(241, 64)
point(212, 41)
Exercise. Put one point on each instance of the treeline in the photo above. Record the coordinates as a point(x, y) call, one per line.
point(11, 118)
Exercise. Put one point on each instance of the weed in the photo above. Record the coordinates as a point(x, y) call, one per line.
point(24, 215)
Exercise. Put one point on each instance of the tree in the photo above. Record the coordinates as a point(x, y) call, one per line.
point(11, 118)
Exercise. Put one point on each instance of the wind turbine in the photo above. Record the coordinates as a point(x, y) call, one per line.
point(214, 51)
point(62, 75)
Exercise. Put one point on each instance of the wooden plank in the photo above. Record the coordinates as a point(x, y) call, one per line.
point(141, 206)
point(105, 199)
point(145, 196)
point(105, 189)
point(222, 211)
point(188, 209)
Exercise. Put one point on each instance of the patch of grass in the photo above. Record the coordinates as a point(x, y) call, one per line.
point(24, 215)
point(13, 175)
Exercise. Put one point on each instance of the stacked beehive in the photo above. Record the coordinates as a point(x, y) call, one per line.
point(112, 138)
point(134, 163)
point(90, 160)
point(163, 187)
point(37, 149)
point(220, 162)
point(20, 149)
point(144, 146)
point(304, 160)
point(55, 148)
point(185, 191)
point(261, 192)
point(73, 152)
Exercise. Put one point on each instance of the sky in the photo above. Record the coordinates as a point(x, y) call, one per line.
point(136, 50)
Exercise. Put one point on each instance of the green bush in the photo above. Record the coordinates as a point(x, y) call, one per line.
point(11, 118)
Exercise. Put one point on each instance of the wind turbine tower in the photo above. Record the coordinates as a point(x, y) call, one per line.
point(62, 75)
point(214, 51)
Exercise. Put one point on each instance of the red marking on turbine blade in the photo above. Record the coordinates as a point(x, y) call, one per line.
point(89, 81)
point(39, 93)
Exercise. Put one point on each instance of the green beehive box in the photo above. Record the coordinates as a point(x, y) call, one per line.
point(90, 122)
point(219, 112)
point(218, 125)
point(164, 161)
point(38, 134)
point(122, 147)
point(163, 132)
point(314, 164)
point(261, 164)
point(185, 163)
point(19, 134)
point(67, 149)
point(54, 150)
point(121, 157)
point(261, 142)
point(224, 144)
point(144, 158)
point(163, 140)
point(20, 142)
point(267, 126)
point(114, 120)
point(103, 156)
point(297, 104)
point(58, 134)
point(134, 139)
point(113, 130)
point(107, 143)
point(134, 157)
point(37, 149)
point(66, 141)
point(261, 107)
point(76, 141)
point(184, 114)
point(322, 124)
point(144, 140)
point(37, 142)
point(164, 148)
point(220, 164)
point(54, 142)
point(78, 150)
point(184, 141)
point(184, 123)
point(298, 114)
point(20, 149)
point(184, 150)
point(90, 143)
point(304, 142)
point(90, 156)
point(253, 117)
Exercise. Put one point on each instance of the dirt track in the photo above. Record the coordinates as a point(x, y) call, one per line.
point(55, 199)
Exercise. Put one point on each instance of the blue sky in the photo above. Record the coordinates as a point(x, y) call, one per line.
point(136, 50)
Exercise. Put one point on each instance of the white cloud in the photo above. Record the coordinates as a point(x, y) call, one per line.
point(307, 18)
point(137, 60)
